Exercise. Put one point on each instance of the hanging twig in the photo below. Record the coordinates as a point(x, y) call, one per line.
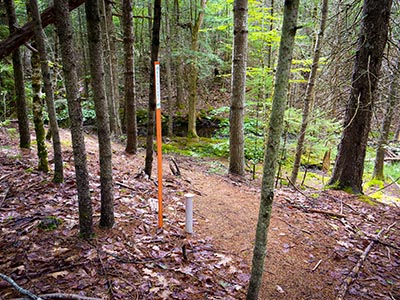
point(356, 269)
point(20, 289)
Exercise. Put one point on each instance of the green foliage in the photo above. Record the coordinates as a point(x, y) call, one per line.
point(61, 106)
point(49, 223)
point(200, 147)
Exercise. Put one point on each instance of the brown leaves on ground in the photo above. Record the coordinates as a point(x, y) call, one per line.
point(311, 250)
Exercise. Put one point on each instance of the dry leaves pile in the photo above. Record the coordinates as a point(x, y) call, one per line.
point(40, 248)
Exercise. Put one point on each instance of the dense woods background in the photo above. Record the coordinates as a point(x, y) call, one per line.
point(221, 85)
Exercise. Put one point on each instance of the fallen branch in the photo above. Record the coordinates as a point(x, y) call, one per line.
point(63, 297)
point(394, 181)
point(5, 196)
point(326, 212)
point(356, 269)
point(25, 33)
point(174, 167)
point(18, 288)
point(125, 186)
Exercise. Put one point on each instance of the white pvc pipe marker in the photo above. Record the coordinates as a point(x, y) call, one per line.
point(189, 213)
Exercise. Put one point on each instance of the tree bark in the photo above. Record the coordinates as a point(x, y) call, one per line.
point(48, 89)
point(193, 71)
point(272, 148)
point(349, 165)
point(130, 101)
point(309, 92)
point(37, 104)
point(20, 98)
point(155, 45)
point(21, 35)
point(239, 59)
point(37, 109)
point(65, 33)
point(102, 118)
point(387, 120)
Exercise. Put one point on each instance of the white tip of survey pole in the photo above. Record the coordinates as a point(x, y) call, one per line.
point(189, 213)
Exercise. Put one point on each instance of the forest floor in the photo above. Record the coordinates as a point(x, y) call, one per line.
point(317, 237)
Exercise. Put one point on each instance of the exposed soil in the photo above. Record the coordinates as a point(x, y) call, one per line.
point(316, 237)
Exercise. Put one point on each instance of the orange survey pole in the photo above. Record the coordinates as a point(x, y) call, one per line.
point(159, 141)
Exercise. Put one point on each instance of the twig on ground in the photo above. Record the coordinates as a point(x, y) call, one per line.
point(297, 189)
point(356, 269)
point(63, 297)
point(394, 181)
point(326, 212)
point(109, 283)
point(125, 186)
point(19, 289)
point(174, 167)
point(5, 196)
point(317, 265)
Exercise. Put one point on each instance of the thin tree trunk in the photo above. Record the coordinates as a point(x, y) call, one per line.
point(309, 92)
point(130, 101)
point(107, 63)
point(49, 96)
point(387, 120)
point(179, 62)
point(103, 124)
point(168, 70)
point(236, 118)
point(37, 108)
point(20, 98)
point(37, 104)
point(193, 71)
point(271, 27)
point(114, 69)
point(83, 41)
point(65, 32)
point(273, 142)
point(349, 165)
point(155, 45)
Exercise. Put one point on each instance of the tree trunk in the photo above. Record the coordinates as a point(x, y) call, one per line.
point(20, 99)
point(65, 33)
point(387, 120)
point(37, 106)
point(239, 59)
point(83, 42)
point(24, 34)
point(349, 165)
point(272, 148)
point(108, 32)
point(103, 124)
point(130, 101)
point(309, 92)
point(193, 71)
point(168, 70)
point(49, 97)
point(155, 45)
